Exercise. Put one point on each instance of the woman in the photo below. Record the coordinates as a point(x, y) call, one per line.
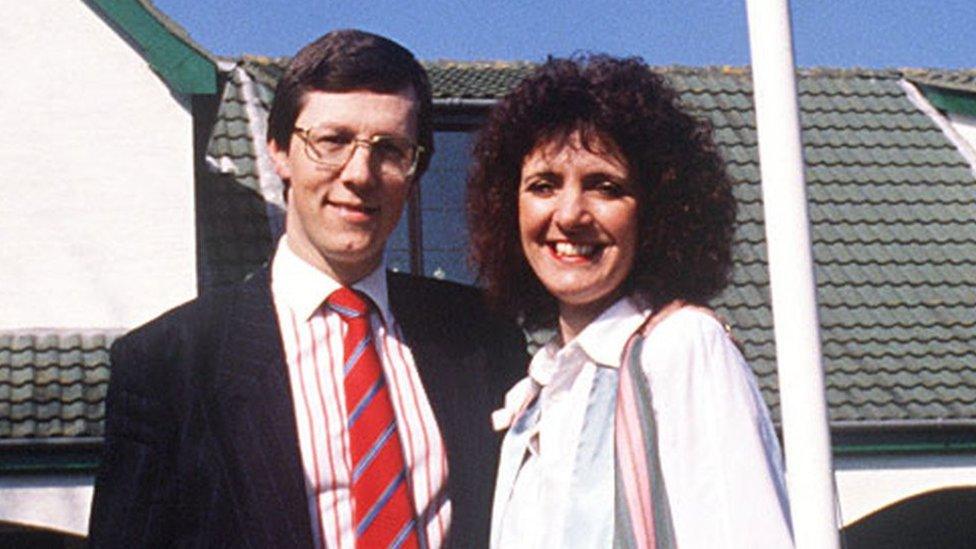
point(595, 200)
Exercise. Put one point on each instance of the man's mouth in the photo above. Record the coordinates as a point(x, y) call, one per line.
point(354, 211)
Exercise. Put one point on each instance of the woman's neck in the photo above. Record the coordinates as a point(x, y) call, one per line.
point(573, 318)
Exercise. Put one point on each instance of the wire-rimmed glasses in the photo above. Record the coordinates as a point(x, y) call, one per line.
point(394, 156)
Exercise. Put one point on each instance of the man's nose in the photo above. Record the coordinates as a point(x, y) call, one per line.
point(358, 170)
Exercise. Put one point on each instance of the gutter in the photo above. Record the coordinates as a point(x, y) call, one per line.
point(905, 448)
point(73, 443)
point(463, 102)
point(907, 436)
point(50, 455)
point(911, 425)
point(947, 436)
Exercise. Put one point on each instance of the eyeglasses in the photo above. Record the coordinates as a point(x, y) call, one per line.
point(394, 156)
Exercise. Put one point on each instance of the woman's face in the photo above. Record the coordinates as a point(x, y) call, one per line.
point(578, 222)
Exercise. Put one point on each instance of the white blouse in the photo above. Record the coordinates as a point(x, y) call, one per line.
point(718, 451)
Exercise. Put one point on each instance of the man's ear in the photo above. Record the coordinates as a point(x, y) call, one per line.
point(280, 158)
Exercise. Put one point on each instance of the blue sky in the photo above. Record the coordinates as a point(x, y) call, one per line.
point(836, 33)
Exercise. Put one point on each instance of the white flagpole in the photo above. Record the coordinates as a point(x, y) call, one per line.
point(801, 377)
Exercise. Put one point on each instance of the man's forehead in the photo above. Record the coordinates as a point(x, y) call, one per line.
point(360, 106)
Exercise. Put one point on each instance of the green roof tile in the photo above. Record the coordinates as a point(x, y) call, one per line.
point(892, 205)
point(52, 384)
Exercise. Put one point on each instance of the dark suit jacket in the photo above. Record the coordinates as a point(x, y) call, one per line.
point(201, 447)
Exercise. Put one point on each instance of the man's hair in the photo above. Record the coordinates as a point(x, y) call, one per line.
point(686, 208)
point(351, 60)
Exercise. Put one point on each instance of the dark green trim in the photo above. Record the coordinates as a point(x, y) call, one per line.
point(890, 440)
point(171, 54)
point(954, 101)
point(49, 466)
point(39, 456)
point(919, 448)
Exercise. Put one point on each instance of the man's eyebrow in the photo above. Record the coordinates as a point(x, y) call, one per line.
point(329, 126)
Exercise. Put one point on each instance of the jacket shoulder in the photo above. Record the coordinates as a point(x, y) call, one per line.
point(456, 315)
point(168, 347)
point(433, 302)
point(413, 284)
point(186, 318)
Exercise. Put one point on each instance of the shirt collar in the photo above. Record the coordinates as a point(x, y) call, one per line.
point(602, 340)
point(304, 288)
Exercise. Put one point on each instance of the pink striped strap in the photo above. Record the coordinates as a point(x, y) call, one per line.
point(642, 515)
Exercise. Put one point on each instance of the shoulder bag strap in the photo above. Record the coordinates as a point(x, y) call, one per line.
point(642, 517)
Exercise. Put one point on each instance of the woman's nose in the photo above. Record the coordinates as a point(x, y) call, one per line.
point(571, 210)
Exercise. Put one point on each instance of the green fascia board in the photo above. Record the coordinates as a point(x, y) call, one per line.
point(918, 439)
point(182, 65)
point(954, 101)
point(918, 448)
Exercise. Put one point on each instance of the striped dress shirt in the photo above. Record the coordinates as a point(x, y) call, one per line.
point(313, 343)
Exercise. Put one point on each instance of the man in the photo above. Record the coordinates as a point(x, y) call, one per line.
point(323, 402)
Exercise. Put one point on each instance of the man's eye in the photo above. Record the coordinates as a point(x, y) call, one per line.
point(331, 139)
point(390, 149)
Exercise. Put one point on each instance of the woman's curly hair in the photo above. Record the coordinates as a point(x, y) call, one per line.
point(687, 211)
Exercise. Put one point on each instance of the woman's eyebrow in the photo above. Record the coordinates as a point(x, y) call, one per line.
point(545, 172)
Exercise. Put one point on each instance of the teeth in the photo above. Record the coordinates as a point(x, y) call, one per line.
point(568, 249)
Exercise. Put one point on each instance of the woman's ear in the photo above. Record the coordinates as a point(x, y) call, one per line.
point(282, 164)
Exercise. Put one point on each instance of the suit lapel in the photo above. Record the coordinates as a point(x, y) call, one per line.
point(415, 319)
point(453, 370)
point(254, 421)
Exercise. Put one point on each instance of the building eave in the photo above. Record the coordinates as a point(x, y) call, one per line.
point(183, 64)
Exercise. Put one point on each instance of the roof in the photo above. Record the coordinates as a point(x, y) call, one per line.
point(236, 235)
point(168, 48)
point(961, 80)
point(891, 201)
point(53, 383)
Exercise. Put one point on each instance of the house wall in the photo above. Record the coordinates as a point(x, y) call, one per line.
point(54, 502)
point(965, 126)
point(97, 215)
point(866, 484)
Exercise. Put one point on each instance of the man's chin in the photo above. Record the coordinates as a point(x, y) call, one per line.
point(350, 263)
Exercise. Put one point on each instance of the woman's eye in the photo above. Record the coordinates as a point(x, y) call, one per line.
point(610, 188)
point(540, 187)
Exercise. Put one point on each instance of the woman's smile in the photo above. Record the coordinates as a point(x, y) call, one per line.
point(578, 221)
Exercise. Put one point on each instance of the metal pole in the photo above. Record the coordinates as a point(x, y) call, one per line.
point(801, 377)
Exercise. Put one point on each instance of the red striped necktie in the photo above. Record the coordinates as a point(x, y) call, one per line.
point(383, 514)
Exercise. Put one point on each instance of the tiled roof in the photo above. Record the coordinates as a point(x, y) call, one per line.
point(232, 213)
point(962, 80)
point(53, 383)
point(450, 80)
point(891, 201)
point(892, 205)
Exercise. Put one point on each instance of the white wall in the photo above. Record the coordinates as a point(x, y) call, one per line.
point(866, 484)
point(96, 167)
point(53, 502)
point(965, 126)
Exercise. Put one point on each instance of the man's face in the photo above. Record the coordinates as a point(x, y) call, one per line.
point(339, 217)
